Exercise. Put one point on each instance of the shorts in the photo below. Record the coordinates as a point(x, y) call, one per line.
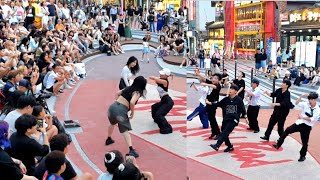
point(263, 63)
point(146, 50)
point(118, 114)
point(258, 65)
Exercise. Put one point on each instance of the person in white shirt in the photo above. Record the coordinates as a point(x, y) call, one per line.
point(254, 94)
point(130, 69)
point(310, 114)
point(66, 11)
point(55, 79)
point(201, 109)
point(207, 63)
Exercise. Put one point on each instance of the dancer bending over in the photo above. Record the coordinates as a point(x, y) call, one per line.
point(118, 111)
point(161, 109)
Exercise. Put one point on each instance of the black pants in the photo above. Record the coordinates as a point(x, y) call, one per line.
point(159, 111)
point(304, 133)
point(114, 18)
point(211, 111)
point(28, 21)
point(299, 79)
point(229, 125)
point(276, 117)
point(253, 112)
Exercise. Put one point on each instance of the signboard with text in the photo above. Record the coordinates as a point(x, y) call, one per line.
point(306, 16)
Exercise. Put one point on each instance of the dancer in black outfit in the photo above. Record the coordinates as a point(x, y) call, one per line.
point(161, 109)
point(310, 113)
point(214, 84)
point(232, 107)
point(281, 110)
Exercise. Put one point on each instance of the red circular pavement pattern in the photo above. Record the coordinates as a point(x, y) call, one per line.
point(89, 105)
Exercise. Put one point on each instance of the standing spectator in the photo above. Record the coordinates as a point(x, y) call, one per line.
point(52, 11)
point(135, 22)
point(45, 14)
point(258, 57)
point(130, 12)
point(151, 18)
point(241, 84)
point(121, 26)
point(23, 146)
point(264, 58)
point(127, 29)
point(113, 13)
point(30, 15)
point(201, 54)
point(159, 21)
point(19, 12)
point(65, 12)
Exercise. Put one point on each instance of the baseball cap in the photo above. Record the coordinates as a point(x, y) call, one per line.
point(256, 81)
point(24, 83)
point(165, 71)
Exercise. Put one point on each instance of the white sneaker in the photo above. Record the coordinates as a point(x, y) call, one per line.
point(67, 86)
point(180, 66)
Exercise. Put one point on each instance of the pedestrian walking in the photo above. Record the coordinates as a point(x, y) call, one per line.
point(310, 113)
point(254, 94)
point(118, 111)
point(232, 107)
point(281, 110)
point(160, 109)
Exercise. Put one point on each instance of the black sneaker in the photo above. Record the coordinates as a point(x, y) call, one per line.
point(302, 158)
point(133, 153)
point(217, 137)
point(109, 141)
point(265, 138)
point(214, 146)
point(229, 149)
point(276, 146)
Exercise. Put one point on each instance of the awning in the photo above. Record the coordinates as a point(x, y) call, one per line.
point(304, 27)
point(216, 25)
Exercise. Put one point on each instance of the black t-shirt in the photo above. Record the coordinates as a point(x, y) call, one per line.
point(201, 54)
point(151, 16)
point(130, 12)
point(69, 173)
point(26, 149)
point(178, 42)
point(8, 168)
point(223, 76)
point(232, 108)
point(240, 83)
point(215, 93)
point(136, 12)
point(52, 10)
point(258, 58)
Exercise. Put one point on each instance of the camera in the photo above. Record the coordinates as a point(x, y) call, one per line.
point(40, 123)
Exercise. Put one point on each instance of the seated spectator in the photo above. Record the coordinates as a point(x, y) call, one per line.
point(23, 146)
point(11, 103)
point(55, 80)
point(287, 75)
point(178, 45)
point(40, 114)
point(60, 143)
point(11, 85)
point(303, 73)
point(55, 165)
point(25, 105)
point(10, 168)
point(111, 161)
point(128, 170)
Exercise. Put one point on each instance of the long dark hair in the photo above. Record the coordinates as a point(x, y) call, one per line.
point(139, 85)
point(134, 70)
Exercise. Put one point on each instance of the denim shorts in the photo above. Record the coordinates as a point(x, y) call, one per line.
point(118, 114)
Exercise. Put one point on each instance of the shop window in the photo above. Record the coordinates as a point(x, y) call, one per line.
point(252, 12)
point(248, 42)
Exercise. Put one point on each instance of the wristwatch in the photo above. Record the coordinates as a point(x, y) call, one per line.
point(18, 162)
point(45, 133)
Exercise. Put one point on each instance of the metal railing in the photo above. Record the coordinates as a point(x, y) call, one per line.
point(241, 67)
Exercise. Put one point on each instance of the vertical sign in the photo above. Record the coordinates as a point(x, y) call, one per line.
point(273, 52)
point(303, 52)
point(191, 10)
point(298, 52)
point(311, 51)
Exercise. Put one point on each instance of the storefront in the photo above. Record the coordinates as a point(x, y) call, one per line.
point(164, 4)
point(253, 24)
point(302, 25)
point(216, 34)
point(301, 32)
